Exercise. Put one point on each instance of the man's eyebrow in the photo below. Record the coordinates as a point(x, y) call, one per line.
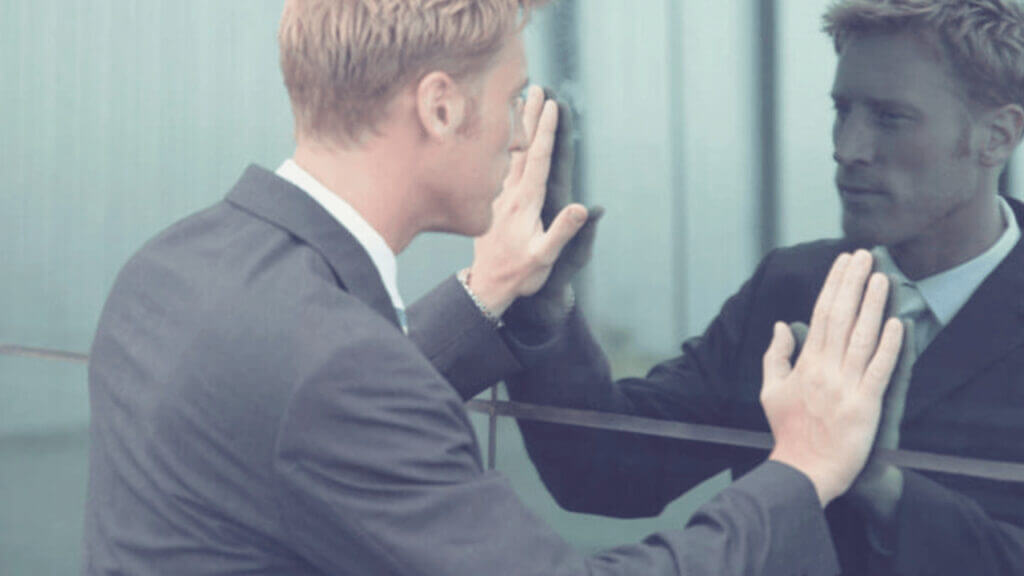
point(877, 102)
point(523, 85)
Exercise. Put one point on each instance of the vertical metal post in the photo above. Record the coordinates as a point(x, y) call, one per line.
point(676, 63)
point(492, 430)
point(767, 73)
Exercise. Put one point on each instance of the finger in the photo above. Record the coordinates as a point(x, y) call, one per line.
point(819, 317)
point(579, 250)
point(532, 110)
point(563, 160)
point(799, 330)
point(843, 312)
point(880, 369)
point(516, 163)
point(908, 353)
point(775, 363)
point(876, 260)
point(576, 253)
point(562, 230)
point(869, 322)
point(892, 305)
point(899, 384)
point(538, 157)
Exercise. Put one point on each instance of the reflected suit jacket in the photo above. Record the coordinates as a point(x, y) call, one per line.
point(256, 409)
point(966, 398)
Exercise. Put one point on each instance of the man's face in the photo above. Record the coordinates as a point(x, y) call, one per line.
point(902, 136)
point(492, 131)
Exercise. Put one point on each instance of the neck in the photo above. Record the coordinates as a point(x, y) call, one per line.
point(367, 178)
point(962, 235)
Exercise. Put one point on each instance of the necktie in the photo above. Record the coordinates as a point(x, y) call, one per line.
point(908, 303)
point(911, 305)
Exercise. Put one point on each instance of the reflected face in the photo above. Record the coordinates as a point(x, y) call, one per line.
point(902, 138)
point(492, 130)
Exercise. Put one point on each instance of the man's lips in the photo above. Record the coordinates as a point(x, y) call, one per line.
point(858, 191)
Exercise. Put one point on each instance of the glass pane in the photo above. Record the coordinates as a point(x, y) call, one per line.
point(44, 444)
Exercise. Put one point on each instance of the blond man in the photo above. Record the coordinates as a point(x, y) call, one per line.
point(258, 409)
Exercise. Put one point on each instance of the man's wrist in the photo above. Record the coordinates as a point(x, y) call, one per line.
point(493, 315)
point(825, 485)
point(880, 496)
point(546, 310)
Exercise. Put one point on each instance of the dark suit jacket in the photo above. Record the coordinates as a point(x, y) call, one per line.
point(257, 410)
point(966, 398)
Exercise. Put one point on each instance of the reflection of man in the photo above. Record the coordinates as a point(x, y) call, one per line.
point(257, 408)
point(928, 97)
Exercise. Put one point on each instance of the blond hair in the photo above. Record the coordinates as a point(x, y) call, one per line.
point(982, 41)
point(344, 60)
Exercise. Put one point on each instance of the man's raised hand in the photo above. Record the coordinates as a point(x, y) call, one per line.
point(824, 410)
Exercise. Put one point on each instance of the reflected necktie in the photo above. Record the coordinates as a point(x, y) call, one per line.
point(911, 305)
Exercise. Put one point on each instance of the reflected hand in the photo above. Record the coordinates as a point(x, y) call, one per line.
point(880, 486)
point(824, 410)
point(552, 302)
point(519, 252)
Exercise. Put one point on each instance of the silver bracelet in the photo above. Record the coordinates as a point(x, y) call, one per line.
point(463, 277)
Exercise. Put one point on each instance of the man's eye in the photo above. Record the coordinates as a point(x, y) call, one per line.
point(890, 118)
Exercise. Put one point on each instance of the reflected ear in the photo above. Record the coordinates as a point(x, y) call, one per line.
point(1005, 126)
point(440, 105)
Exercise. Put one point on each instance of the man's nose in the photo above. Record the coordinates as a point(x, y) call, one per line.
point(853, 141)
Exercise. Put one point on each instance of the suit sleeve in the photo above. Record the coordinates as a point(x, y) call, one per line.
point(938, 531)
point(631, 475)
point(461, 344)
point(380, 473)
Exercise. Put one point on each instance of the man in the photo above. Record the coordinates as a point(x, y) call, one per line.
point(929, 98)
point(257, 408)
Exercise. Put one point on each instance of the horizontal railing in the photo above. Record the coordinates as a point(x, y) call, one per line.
point(494, 408)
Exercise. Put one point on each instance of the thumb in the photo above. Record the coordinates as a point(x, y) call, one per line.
point(799, 330)
point(776, 359)
point(562, 229)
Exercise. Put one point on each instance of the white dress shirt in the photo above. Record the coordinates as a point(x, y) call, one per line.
point(371, 240)
point(948, 291)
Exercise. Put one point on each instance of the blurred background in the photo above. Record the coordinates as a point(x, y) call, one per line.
point(705, 133)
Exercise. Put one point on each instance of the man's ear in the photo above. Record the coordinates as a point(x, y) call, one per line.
point(1005, 126)
point(440, 105)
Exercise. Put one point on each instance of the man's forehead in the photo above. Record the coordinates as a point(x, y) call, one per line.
point(897, 67)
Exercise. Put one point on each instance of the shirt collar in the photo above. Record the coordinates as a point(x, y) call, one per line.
point(948, 291)
point(380, 253)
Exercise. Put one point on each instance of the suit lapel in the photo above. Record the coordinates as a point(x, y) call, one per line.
point(989, 325)
point(277, 201)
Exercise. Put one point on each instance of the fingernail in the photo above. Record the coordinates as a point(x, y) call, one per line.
point(579, 215)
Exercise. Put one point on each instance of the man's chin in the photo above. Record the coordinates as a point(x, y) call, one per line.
point(864, 233)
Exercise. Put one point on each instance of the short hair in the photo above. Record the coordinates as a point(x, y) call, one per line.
point(344, 61)
point(982, 41)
